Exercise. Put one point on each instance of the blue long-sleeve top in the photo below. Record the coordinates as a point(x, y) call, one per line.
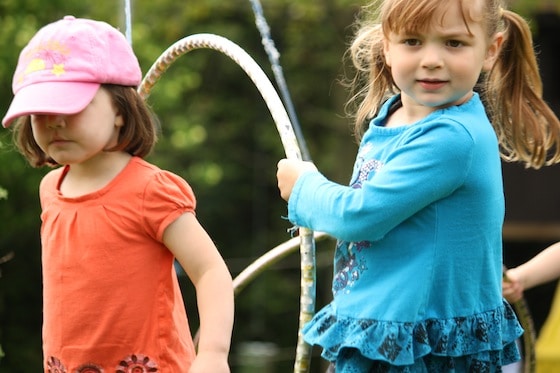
point(419, 239)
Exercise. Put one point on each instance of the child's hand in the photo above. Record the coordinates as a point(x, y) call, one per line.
point(209, 362)
point(288, 172)
point(512, 286)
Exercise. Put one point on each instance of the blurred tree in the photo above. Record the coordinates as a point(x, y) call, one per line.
point(216, 132)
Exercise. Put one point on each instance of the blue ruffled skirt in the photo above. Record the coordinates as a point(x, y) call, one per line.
point(479, 343)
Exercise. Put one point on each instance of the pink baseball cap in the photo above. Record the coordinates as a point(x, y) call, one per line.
point(65, 63)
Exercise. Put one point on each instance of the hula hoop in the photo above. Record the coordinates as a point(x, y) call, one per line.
point(289, 142)
point(529, 336)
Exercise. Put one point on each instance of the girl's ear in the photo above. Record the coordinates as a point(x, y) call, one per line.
point(386, 53)
point(119, 121)
point(493, 51)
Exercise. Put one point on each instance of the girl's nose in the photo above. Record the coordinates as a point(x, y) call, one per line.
point(431, 59)
point(54, 120)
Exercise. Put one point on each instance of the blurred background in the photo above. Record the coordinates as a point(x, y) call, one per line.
point(218, 134)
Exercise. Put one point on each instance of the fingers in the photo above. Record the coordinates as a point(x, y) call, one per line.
point(288, 172)
point(283, 176)
point(512, 288)
point(282, 162)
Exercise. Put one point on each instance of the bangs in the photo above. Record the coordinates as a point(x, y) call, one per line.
point(413, 17)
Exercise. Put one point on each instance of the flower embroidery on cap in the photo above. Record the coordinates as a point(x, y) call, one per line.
point(137, 364)
point(46, 56)
point(58, 69)
point(55, 366)
point(35, 65)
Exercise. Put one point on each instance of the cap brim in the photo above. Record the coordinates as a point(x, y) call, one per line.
point(50, 98)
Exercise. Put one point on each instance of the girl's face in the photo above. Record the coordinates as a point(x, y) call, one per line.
point(79, 138)
point(439, 66)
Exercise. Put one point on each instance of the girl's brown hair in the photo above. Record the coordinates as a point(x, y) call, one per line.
point(137, 136)
point(527, 129)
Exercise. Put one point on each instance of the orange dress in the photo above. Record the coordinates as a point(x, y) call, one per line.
point(112, 302)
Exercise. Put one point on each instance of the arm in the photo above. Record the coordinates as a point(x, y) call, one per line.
point(416, 171)
point(202, 262)
point(542, 268)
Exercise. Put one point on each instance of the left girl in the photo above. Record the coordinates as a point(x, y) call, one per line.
point(112, 223)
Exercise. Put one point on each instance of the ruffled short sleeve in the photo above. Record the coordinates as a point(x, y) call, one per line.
point(166, 197)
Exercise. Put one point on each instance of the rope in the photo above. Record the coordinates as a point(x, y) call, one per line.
point(274, 59)
point(128, 21)
point(289, 141)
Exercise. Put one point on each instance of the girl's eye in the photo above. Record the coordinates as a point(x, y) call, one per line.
point(38, 118)
point(411, 42)
point(454, 43)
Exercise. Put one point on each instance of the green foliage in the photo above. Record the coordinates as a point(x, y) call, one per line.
point(216, 132)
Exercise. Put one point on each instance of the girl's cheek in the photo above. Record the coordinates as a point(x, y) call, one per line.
point(39, 134)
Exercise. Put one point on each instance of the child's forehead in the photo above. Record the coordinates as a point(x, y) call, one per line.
point(430, 14)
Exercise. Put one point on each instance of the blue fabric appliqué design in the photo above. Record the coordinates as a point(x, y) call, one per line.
point(366, 168)
point(348, 268)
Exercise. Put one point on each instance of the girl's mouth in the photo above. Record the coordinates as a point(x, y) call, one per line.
point(431, 85)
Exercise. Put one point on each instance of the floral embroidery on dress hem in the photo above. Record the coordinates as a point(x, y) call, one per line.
point(137, 364)
point(134, 363)
point(89, 368)
point(54, 365)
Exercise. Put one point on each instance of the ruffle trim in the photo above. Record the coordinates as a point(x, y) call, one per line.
point(401, 343)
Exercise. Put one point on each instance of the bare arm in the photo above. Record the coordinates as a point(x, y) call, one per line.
point(202, 262)
point(542, 268)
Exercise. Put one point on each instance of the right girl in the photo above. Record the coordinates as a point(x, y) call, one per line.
point(418, 262)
